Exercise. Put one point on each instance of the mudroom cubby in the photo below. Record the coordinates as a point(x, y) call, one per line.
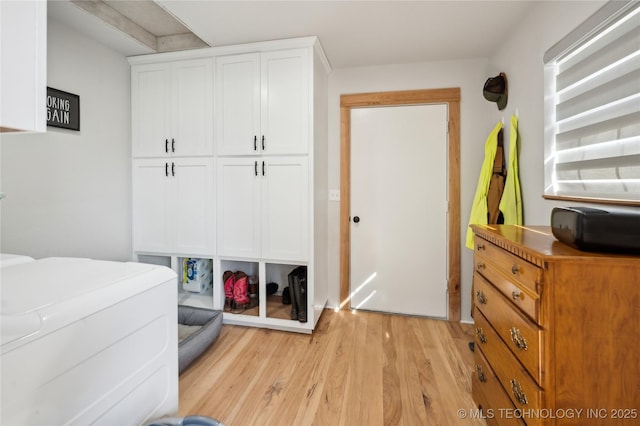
point(278, 274)
point(251, 271)
point(193, 298)
point(189, 298)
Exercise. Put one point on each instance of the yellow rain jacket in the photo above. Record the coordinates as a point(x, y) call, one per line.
point(511, 201)
point(479, 208)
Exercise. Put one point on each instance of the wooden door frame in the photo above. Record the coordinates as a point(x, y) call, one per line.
point(449, 96)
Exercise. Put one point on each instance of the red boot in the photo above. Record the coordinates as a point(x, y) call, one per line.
point(229, 280)
point(241, 292)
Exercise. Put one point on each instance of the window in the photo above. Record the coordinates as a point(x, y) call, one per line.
point(592, 109)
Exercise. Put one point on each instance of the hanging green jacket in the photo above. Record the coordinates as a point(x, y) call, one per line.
point(511, 201)
point(479, 208)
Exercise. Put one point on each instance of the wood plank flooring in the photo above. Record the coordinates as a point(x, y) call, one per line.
point(356, 369)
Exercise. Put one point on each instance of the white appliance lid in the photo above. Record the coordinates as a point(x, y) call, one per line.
point(31, 286)
point(42, 295)
point(7, 259)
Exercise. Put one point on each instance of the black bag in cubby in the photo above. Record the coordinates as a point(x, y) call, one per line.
point(298, 289)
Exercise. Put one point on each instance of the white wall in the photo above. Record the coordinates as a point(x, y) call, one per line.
point(520, 57)
point(68, 193)
point(469, 76)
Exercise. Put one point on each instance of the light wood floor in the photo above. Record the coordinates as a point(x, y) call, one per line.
point(355, 369)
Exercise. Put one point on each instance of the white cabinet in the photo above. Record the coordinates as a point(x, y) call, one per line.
point(173, 208)
point(23, 65)
point(230, 163)
point(262, 103)
point(263, 208)
point(172, 106)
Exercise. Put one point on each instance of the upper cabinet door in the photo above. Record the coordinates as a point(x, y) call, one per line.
point(172, 109)
point(285, 108)
point(150, 109)
point(192, 108)
point(262, 103)
point(238, 104)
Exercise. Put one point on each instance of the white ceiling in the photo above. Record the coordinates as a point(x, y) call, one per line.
point(352, 33)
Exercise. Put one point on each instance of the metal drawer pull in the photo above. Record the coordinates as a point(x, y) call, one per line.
point(515, 295)
point(480, 374)
point(481, 266)
point(482, 299)
point(514, 269)
point(517, 339)
point(255, 143)
point(481, 336)
point(518, 393)
point(481, 247)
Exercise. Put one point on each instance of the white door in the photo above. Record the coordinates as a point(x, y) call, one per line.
point(238, 104)
point(399, 209)
point(151, 216)
point(285, 208)
point(150, 107)
point(285, 102)
point(192, 205)
point(192, 107)
point(238, 206)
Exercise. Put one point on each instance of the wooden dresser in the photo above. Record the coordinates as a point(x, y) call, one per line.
point(557, 331)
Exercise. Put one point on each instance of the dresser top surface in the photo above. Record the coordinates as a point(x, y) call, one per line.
point(538, 241)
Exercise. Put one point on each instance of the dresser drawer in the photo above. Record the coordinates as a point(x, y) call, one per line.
point(523, 337)
point(517, 269)
point(524, 298)
point(521, 388)
point(488, 392)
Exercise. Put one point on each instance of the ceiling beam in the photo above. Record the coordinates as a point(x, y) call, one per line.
point(118, 21)
point(175, 42)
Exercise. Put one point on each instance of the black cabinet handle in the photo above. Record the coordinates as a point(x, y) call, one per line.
point(166, 146)
point(263, 142)
point(356, 219)
point(166, 169)
point(255, 167)
point(173, 145)
point(255, 143)
point(263, 168)
point(173, 169)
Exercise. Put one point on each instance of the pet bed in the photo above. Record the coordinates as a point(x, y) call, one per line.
point(197, 330)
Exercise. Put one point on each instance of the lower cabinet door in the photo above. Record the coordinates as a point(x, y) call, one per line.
point(238, 201)
point(173, 206)
point(151, 216)
point(263, 207)
point(285, 209)
point(192, 206)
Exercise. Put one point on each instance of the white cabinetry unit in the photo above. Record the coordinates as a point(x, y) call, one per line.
point(254, 198)
point(173, 206)
point(262, 103)
point(263, 208)
point(23, 65)
point(172, 103)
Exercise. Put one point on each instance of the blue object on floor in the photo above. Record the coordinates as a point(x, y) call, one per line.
point(186, 421)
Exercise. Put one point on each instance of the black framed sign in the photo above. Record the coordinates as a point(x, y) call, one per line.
point(63, 109)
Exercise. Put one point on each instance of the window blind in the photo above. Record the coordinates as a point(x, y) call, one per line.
point(592, 110)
